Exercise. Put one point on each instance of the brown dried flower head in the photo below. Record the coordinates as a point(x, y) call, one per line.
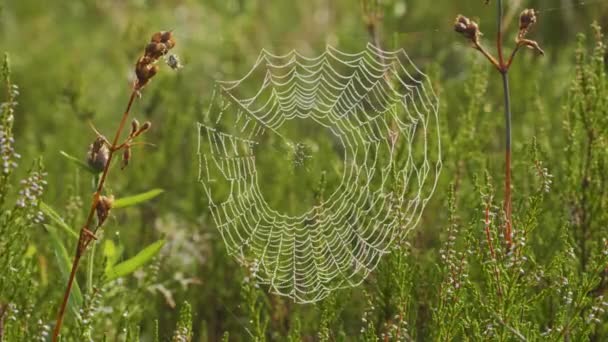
point(467, 28)
point(98, 154)
point(103, 209)
point(145, 68)
point(527, 19)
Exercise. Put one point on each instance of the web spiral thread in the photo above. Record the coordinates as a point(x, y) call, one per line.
point(380, 108)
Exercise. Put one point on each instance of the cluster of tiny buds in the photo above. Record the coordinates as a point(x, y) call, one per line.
point(182, 335)
point(30, 194)
point(7, 151)
point(44, 329)
point(253, 272)
point(397, 330)
point(160, 44)
point(598, 310)
point(8, 108)
point(366, 322)
point(468, 28)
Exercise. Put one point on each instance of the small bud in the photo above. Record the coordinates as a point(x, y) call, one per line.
point(134, 127)
point(103, 209)
point(155, 50)
point(167, 39)
point(98, 155)
point(156, 37)
point(146, 126)
point(126, 157)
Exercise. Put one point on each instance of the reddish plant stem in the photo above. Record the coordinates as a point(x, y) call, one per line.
point(86, 234)
point(507, 205)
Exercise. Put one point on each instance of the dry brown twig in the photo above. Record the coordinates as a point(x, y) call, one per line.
point(102, 151)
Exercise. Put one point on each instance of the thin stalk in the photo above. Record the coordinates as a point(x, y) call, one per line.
point(501, 58)
point(504, 71)
point(86, 234)
point(508, 208)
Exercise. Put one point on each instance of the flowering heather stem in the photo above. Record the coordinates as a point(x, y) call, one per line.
point(86, 235)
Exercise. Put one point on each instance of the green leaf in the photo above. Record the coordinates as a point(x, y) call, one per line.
point(65, 267)
point(55, 217)
point(78, 163)
point(131, 265)
point(111, 252)
point(136, 199)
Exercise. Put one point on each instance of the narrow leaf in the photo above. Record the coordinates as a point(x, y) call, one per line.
point(78, 162)
point(131, 265)
point(56, 218)
point(65, 266)
point(136, 199)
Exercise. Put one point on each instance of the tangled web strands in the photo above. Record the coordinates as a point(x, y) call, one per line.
point(381, 112)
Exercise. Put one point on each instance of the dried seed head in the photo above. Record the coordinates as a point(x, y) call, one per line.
point(98, 154)
point(155, 50)
point(167, 39)
point(145, 68)
point(467, 28)
point(104, 204)
point(156, 37)
point(134, 127)
point(527, 19)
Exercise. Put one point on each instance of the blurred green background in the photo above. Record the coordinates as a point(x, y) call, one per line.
point(73, 62)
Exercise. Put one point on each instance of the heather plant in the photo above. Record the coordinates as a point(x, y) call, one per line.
point(20, 217)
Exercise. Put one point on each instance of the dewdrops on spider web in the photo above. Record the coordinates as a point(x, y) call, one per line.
point(300, 154)
point(365, 100)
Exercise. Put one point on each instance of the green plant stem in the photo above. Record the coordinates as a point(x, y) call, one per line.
point(86, 235)
point(504, 71)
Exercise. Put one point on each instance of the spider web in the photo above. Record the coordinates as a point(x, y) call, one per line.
point(381, 112)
